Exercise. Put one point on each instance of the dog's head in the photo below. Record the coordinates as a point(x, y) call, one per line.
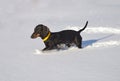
point(40, 31)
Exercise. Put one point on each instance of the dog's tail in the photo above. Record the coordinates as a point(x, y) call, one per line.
point(83, 28)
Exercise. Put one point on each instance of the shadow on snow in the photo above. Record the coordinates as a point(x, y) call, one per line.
point(92, 41)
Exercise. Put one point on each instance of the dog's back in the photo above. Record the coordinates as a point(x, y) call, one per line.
point(69, 35)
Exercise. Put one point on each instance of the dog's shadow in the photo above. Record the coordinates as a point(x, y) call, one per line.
point(92, 41)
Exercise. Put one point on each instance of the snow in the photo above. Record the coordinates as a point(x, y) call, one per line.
point(22, 60)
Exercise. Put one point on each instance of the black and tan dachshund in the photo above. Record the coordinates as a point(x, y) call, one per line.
point(53, 39)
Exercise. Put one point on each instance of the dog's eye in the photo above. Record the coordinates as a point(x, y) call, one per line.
point(37, 31)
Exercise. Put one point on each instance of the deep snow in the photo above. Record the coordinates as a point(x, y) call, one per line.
point(99, 60)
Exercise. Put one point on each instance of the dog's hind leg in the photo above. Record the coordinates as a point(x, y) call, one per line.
point(78, 41)
point(68, 45)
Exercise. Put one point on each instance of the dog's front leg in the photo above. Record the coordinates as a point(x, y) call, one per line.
point(49, 46)
point(46, 48)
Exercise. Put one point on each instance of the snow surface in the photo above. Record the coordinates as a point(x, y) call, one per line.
point(22, 60)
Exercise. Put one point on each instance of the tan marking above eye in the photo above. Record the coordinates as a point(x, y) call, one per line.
point(38, 35)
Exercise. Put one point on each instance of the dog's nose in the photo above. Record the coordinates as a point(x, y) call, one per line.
point(32, 36)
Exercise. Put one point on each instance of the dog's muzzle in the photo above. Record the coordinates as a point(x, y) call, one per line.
point(34, 35)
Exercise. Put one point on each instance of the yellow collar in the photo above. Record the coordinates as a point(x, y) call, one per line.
point(46, 38)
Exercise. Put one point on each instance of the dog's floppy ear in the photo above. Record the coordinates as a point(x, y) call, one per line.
point(39, 27)
point(43, 28)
